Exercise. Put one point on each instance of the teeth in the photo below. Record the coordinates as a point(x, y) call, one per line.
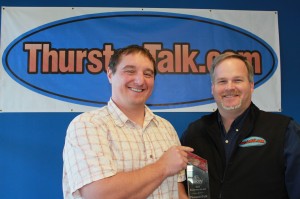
point(136, 90)
point(229, 95)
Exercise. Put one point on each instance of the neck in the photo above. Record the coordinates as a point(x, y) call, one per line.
point(227, 123)
point(137, 116)
point(228, 118)
point(134, 113)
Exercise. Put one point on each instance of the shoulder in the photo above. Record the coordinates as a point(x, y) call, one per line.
point(200, 127)
point(162, 121)
point(271, 116)
point(93, 118)
point(92, 115)
point(204, 121)
point(89, 124)
point(294, 130)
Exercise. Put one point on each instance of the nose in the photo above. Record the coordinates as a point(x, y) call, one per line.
point(139, 79)
point(229, 85)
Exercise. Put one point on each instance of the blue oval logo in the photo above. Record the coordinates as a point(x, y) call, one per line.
point(66, 59)
point(253, 141)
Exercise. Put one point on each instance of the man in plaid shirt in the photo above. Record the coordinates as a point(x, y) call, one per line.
point(123, 150)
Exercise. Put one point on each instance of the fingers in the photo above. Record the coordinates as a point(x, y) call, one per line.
point(185, 148)
point(175, 158)
point(183, 151)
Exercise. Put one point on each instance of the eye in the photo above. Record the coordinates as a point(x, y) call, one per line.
point(238, 80)
point(149, 74)
point(129, 71)
point(221, 82)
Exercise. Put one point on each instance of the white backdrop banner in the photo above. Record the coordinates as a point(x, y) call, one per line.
point(55, 59)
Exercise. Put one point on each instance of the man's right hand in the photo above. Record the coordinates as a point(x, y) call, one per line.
point(175, 159)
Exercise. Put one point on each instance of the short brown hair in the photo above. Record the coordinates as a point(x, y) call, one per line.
point(224, 56)
point(115, 58)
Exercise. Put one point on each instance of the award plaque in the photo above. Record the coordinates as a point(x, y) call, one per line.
point(197, 177)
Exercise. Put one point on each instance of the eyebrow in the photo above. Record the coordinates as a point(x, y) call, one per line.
point(129, 66)
point(134, 67)
point(151, 70)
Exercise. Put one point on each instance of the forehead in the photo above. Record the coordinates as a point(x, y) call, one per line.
point(135, 59)
point(231, 66)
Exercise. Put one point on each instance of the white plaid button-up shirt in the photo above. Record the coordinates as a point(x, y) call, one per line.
point(103, 142)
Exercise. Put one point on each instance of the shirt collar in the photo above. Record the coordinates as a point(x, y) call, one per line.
point(237, 123)
point(120, 118)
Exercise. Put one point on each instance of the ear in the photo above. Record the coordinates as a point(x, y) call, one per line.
point(252, 87)
point(109, 75)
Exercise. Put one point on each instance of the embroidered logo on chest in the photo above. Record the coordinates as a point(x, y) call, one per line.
point(253, 141)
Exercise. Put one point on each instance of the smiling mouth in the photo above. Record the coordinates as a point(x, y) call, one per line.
point(229, 96)
point(136, 90)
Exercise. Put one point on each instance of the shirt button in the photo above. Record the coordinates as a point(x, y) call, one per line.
point(151, 156)
point(226, 141)
point(236, 130)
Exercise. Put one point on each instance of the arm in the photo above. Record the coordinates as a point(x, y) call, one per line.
point(139, 183)
point(292, 160)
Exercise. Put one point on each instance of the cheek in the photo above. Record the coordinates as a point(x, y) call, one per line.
point(216, 90)
point(247, 90)
point(150, 83)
